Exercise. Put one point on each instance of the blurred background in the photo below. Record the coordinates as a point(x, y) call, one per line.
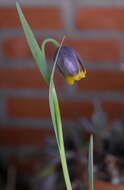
point(27, 144)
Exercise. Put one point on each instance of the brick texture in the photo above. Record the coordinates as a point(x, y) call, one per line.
point(103, 81)
point(95, 31)
point(38, 18)
point(91, 50)
point(115, 110)
point(19, 49)
point(28, 108)
point(16, 48)
point(25, 78)
point(98, 184)
point(76, 109)
point(39, 108)
point(97, 49)
point(15, 137)
point(98, 18)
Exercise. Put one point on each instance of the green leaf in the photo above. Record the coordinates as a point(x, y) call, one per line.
point(56, 118)
point(54, 111)
point(54, 106)
point(34, 47)
point(39, 57)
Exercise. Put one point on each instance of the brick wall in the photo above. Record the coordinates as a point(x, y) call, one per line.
point(95, 29)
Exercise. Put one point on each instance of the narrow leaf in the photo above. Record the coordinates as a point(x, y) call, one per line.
point(54, 106)
point(56, 117)
point(34, 47)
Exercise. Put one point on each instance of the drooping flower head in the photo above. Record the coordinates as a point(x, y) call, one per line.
point(70, 65)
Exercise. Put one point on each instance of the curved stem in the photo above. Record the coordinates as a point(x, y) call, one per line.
point(54, 42)
point(49, 40)
point(55, 113)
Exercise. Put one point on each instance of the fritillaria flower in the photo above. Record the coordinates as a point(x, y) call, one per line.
point(70, 65)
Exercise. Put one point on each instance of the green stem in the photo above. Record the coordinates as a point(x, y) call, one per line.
point(90, 164)
point(49, 40)
point(63, 158)
point(64, 167)
point(60, 140)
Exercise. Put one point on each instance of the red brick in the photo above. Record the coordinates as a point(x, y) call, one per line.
point(25, 78)
point(96, 49)
point(23, 136)
point(99, 184)
point(28, 108)
point(19, 49)
point(29, 166)
point(114, 110)
point(103, 81)
point(39, 108)
point(100, 18)
point(38, 17)
point(16, 48)
point(90, 49)
point(76, 109)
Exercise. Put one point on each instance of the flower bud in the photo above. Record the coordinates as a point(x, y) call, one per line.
point(70, 65)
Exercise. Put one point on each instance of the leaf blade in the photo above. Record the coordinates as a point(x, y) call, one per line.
point(33, 45)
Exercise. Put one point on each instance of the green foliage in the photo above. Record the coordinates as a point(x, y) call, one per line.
point(34, 47)
point(40, 60)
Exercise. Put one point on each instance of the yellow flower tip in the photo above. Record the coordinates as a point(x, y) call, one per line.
point(77, 77)
point(80, 75)
point(70, 80)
